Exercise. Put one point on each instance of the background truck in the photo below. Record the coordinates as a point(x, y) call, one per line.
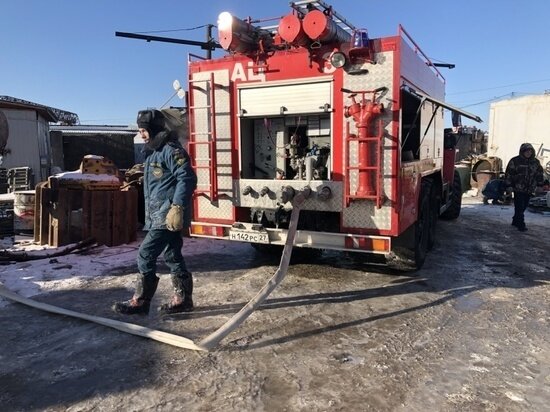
point(315, 104)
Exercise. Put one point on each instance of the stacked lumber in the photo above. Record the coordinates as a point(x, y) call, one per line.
point(68, 215)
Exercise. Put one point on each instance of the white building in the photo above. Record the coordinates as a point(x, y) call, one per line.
point(520, 120)
point(24, 136)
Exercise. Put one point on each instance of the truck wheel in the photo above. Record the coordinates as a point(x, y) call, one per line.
point(422, 230)
point(456, 199)
point(434, 214)
point(410, 249)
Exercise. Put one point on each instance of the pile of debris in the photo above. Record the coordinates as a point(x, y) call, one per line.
point(540, 203)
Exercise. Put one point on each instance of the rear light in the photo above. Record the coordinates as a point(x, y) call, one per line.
point(381, 245)
point(208, 230)
point(373, 244)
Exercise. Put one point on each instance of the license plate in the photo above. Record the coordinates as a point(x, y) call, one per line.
point(248, 236)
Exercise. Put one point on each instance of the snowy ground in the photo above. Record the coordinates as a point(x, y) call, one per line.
point(470, 331)
point(71, 271)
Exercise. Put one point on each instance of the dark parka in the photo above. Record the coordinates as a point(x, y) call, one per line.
point(168, 179)
point(524, 174)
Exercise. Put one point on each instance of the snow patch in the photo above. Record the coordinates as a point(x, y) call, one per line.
point(514, 396)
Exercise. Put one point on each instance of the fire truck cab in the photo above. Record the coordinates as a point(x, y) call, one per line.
point(315, 105)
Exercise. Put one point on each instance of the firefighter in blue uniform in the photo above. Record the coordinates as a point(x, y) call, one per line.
point(169, 182)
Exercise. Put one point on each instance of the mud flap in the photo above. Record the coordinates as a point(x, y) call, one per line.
point(212, 340)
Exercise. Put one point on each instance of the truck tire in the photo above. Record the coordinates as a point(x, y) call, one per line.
point(456, 199)
point(411, 249)
point(435, 203)
point(423, 225)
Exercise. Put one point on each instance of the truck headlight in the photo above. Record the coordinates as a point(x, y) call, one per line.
point(338, 59)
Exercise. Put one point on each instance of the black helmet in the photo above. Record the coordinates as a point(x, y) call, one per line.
point(151, 120)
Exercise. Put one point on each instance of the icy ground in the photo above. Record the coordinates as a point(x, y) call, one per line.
point(470, 331)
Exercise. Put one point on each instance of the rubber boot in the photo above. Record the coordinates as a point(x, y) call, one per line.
point(141, 301)
point(183, 295)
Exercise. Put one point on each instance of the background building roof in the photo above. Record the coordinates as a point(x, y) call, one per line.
point(51, 114)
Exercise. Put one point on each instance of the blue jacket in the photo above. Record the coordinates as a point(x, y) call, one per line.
point(168, 179)
point(494, 189)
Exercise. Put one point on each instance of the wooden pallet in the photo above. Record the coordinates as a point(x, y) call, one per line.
point(68, 215)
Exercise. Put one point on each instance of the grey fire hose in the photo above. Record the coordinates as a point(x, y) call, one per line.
point(212, 340)
point(138, 330)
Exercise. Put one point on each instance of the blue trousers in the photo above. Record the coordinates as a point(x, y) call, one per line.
point(521, 201)
point(156, 242)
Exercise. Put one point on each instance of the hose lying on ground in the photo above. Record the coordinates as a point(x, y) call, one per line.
point(138, 330)
point(212, 340)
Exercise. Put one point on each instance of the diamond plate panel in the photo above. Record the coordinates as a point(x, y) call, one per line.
point(364, 213)
point(223, 208)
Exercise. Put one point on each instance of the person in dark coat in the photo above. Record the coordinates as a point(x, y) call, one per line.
point(495, 190)
point(523, 174)
point(168, 184)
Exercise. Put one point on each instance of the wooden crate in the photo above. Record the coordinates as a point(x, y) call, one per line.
point(64, 216)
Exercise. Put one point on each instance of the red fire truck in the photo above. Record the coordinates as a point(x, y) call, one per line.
point(316, 105)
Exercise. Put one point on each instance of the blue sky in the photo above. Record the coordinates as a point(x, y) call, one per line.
point(63, 53)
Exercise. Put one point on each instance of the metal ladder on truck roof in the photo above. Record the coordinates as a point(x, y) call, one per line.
point(210, 162)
